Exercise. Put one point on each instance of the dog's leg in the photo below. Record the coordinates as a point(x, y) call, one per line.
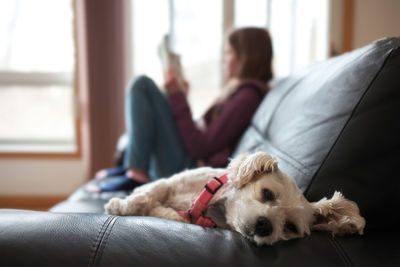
point(167, 213)
point(129, 206)
point(141, 201)
point(338, 215)
point(149, 197)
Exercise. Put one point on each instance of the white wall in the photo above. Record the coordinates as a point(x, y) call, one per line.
point(374, 19)
point(53, 177)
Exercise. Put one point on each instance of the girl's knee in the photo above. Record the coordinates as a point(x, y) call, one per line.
point(140, 83)
point(143, 79)
point(142, 87)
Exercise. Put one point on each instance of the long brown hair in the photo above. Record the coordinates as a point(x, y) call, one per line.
point(253, 48)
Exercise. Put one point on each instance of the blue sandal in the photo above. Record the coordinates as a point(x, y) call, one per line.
point(119, 170)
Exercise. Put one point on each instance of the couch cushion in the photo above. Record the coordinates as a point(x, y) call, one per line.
point(335, 126)
point(86, 202)
point(364, 161)
point(31, 238)
point(301, 118)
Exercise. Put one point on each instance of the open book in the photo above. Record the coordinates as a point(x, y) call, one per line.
point(170, 59)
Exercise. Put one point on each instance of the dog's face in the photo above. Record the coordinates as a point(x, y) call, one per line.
point(265, 204)
point(270, 208)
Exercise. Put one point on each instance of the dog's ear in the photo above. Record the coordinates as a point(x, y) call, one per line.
point(337, 215)
point(216, 211)
point(245, 167)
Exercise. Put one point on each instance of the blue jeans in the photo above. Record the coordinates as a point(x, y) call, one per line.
point(154, 145)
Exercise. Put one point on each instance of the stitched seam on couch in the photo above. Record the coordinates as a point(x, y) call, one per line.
point(98, 240)
point(340, 251)
point(348, 120)
point(104, 241)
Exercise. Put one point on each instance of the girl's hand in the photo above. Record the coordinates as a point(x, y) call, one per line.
point(185, 87)
point(173, 85)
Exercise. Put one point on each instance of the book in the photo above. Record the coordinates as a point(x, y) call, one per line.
point(170, 59)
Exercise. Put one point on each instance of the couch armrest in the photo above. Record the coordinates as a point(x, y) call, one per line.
point(29, 238)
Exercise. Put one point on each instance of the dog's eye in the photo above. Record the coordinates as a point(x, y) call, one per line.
point(268, 195)
point(291, 227)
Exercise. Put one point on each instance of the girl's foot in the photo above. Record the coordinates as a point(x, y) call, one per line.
point(113, 184)
point(138, 175)
point(104, 173)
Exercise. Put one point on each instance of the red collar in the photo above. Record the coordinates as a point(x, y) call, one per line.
point(200, 204)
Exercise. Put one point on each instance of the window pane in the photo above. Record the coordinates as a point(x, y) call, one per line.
point(149, 25)
point(254, 14)
point(36, 76)
point(311, 32)
point(36, 35)
point(197, 37)
point(195, 29)
point(281, 29)
point(299, 29)
point(36, 115)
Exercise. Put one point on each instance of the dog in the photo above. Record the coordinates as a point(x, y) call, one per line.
point(258, 200)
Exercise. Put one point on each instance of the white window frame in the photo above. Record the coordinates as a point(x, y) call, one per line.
point(32, 80)
point(63, 148)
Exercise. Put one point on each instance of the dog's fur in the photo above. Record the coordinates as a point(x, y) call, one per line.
point(259, 201)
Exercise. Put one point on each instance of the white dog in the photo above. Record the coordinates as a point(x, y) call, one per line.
point(258, 201)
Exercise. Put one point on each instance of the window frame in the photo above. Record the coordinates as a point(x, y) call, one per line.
point(48, 79)
point(43, 79)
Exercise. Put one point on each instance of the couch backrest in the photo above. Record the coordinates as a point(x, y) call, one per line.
point(336, 126)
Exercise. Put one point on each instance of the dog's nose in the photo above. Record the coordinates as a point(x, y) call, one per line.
point(263, 227)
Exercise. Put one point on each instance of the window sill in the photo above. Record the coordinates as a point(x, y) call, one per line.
point(41, 203)
point(75, 155)
point(38, 152)
point(32, 150)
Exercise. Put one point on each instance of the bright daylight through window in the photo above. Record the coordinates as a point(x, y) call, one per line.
point(299, 29)
point(195, 29)
point(37, 111)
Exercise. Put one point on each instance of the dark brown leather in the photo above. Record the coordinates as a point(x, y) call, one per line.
point(54, 239)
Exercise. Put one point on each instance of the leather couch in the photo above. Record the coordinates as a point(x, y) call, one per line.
point(333, 126)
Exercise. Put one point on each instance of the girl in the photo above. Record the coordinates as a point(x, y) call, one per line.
point(164, 139)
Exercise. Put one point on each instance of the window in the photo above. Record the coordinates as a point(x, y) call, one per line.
point(147, 32)
point(299, 30)
point(256, 14)
point(37, 111)
point(196, 34)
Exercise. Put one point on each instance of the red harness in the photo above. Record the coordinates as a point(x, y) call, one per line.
point(200, 204)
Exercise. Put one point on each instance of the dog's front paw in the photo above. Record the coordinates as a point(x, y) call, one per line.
point(354, 225)
point(133, 205)
point(113, 206)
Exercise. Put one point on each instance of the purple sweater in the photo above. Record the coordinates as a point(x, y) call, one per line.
point(215, 144)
